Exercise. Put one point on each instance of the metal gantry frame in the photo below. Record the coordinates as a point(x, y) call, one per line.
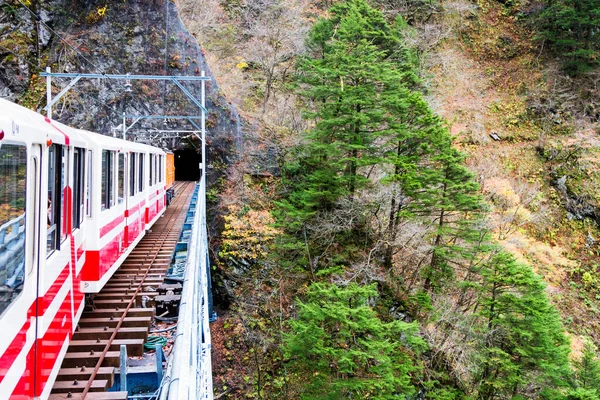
point(176, 79)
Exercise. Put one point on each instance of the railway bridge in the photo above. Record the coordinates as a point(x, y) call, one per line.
point(146, 334)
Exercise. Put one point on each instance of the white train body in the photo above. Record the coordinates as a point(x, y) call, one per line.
point(73, 204)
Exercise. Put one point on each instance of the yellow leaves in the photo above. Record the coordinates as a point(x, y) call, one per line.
point(242, 65)
point(96, 15)
point(247, 233)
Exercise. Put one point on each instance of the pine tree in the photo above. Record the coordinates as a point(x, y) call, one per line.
point(587, 369)
point(571, 28)
point(361, 81)
point(357, 70)
point(353, 75)
point(523, 340)
point(451, 197)
point(340, 349)
point(430, 181)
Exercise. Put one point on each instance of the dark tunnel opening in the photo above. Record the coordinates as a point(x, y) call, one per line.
point(187, 165)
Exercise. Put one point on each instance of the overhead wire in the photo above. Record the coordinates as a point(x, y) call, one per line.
point(65, 41)
point(20, 57)
point(97, 68)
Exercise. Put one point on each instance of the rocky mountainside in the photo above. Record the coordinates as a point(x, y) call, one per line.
point(138, 37)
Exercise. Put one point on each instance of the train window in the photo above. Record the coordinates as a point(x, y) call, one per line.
point(150, 171)
point(113, 185)
point(131, 174)
point(103, 201)
point(64, 181)
point(54, 197)
point(78, 174)
point(121, 178)
point(88, 184)
point(156, 164)
point(107, 180)
point(13, 185)
point(141, 173)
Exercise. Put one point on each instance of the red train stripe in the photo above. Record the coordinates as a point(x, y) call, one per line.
point(14, 349)
point(110, 226)
point(48, 298)
point(24, 388)
point(135, 208)
point(91, 268)
point(67, 140)
point(49, 346)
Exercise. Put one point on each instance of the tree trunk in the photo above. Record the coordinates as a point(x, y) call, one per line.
point(353, 166)
point(392, 224)
point(435, 259)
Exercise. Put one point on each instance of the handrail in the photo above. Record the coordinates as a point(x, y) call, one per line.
point(12, 254)
point(14, 232)
point(189, 369)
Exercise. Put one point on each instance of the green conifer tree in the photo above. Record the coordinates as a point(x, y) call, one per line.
point(451, 198)
point(571, 29)
point(587, 369)
point(356, 68)
point(523, 339)
point(360, 78)
point(340, 349)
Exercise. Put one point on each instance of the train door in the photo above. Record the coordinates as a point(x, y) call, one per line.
point(54, 310)
point(127, 195)
point(129, 203)
point(121, 202)
point(34, 248)
point(78, 227)
point(19, 260)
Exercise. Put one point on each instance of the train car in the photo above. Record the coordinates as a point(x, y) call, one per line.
point(170, 160)
point(170, 170)
point(72, 205)
point(41, 228)
point(119, 211)
point(156, 197)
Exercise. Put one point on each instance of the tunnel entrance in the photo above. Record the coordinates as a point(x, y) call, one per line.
point(187, 165)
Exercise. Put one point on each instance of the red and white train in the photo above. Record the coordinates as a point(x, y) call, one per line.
point(73, 204)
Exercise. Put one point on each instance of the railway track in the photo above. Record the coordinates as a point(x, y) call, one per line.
point(115, 316)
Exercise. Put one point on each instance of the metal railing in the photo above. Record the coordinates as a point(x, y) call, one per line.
point(12, 250)
point(189, 370)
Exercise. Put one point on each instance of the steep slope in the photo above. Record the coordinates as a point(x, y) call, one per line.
point(532, 143)
point(527, 127)
point(117, 38)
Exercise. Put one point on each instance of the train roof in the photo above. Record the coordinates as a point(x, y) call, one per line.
point(11, 113)
point(15, 119)
point(118, 143)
